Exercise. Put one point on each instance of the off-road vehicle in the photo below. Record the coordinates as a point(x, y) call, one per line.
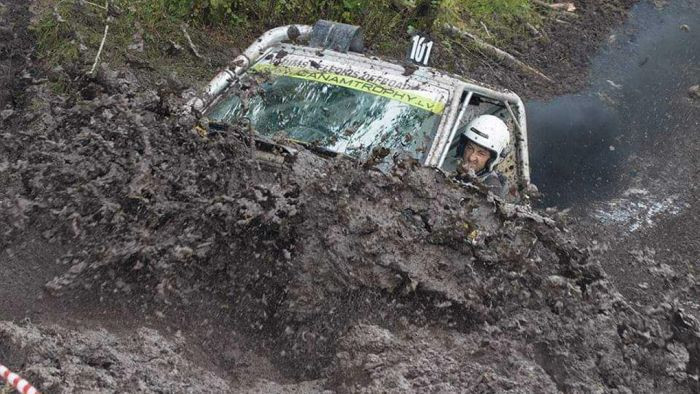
point(317, 88)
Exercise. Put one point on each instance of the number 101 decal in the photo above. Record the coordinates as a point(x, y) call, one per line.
point(420, 50)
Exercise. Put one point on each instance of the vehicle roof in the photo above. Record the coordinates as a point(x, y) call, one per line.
point(373, 64)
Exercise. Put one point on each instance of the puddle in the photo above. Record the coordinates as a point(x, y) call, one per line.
point(637, 209)
point(578, 143)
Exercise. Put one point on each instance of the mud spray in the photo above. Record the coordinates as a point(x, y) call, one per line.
point(581, 143)
point(315, 273)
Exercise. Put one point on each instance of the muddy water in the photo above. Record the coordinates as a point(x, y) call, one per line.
point(581, 144)
point(365, 281)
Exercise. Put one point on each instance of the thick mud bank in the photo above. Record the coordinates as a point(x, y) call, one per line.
point(214, 269)
point(322, 263)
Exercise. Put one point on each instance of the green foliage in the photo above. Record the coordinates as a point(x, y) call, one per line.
point(505, 19)
point(509, 9)
point(55, 41)
point(69, 33)
point(383, 20)
point(218, 26)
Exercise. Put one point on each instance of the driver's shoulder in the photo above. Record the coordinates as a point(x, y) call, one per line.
point(494, 178)
point(496, 182)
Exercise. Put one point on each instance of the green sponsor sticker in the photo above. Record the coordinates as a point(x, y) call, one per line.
point(403, 96)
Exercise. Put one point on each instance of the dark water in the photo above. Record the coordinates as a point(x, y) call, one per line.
point(578, 143)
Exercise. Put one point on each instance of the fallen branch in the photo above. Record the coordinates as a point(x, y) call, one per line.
point(104, 7)
point(189, 41)
point(488, 33)
point(57, 14)
point(533, 29)
point(567, 7)
point(99, 51)
point(499, 54)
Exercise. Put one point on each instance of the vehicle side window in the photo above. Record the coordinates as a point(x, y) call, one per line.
point(476, 106)
point(479, 106)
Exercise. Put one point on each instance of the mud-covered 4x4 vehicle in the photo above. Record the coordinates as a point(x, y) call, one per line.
point(327, 95)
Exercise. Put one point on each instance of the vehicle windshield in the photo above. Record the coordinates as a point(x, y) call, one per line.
point(347, 116)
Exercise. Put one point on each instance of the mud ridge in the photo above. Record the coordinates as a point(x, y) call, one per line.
point(358, 278)
point(213, 271)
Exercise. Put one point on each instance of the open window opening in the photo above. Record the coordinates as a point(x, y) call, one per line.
point(482, 105)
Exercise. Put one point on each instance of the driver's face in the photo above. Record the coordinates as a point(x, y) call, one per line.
point(474, 158)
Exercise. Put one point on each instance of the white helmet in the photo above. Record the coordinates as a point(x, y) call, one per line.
point(492, 133)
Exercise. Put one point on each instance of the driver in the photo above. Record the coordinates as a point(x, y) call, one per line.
point(482, 145)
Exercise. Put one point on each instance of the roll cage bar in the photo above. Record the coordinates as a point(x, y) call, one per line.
point(341, 38)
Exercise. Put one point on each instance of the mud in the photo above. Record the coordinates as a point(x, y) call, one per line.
point(561, 47)
point(324, 266)
point(15, 48)
point(590, 145)
point(645, 234)
point(151, 259)
point(99, 362)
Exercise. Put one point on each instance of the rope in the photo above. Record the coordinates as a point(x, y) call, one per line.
point(17, 382)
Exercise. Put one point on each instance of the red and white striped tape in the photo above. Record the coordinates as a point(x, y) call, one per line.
point(16, 381)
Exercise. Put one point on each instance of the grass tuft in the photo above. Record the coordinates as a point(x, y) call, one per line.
point(497, 21)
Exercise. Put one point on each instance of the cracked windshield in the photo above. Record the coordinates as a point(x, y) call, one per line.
point(351, 119)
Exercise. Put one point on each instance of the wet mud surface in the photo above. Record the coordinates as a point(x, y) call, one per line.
point(144, 257)
point(99, 362)
point(16, 46)
point(562, 50)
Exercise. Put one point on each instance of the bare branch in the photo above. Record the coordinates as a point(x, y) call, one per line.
point(104, 7)
point(567, 7)
point(488, 33)
point(533, 29)
point(189, 41)
point(499, 54)
point(102, 44)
